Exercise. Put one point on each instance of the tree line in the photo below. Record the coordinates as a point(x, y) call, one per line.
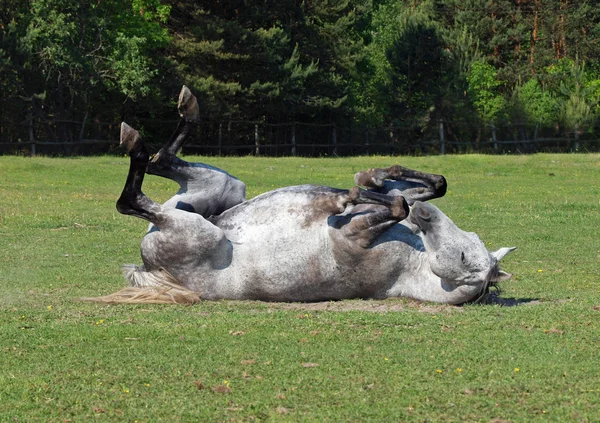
point(399, 64)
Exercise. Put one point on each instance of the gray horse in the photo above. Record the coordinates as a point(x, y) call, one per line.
point(299, 243)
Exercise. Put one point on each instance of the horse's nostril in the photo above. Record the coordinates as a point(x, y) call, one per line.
point(424, 214)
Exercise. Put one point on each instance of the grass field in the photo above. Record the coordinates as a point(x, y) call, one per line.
point(62, 360)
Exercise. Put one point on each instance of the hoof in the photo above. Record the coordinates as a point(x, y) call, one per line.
point(188, 105)
point(368, 179)
point(399, 208)
point(129, 137)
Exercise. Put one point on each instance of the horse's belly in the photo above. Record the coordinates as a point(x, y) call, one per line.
point(283, 250)
point(276, 264)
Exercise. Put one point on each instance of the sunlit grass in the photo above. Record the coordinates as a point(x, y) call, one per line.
point(62, 239)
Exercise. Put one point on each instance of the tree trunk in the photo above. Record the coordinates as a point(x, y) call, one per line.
point(534, 35)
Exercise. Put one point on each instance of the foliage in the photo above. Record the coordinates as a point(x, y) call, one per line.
point(345, 361)
point(256, 61)
point(484, 90)
point(70, 57)
point(578, 92)
point(539, 105)
point(399, 64)
point(418, 69)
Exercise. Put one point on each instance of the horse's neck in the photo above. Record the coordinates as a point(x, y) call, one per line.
point(417, 280)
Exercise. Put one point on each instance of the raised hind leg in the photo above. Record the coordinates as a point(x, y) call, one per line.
point(204, 189)
point(181, 239)
point(132, 200)
point(397, 180)
point(163, 161)
point(177, 246)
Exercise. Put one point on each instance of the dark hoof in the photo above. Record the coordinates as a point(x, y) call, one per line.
point(188, 105)
point(129, 137)
point(399, 208)
point(368, 179)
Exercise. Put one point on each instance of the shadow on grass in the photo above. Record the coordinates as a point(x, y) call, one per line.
point(494, 299)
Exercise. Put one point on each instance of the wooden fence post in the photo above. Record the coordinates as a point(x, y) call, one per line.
point(256, 145)
point(219, 151)
point(366, 140)
point(442, 140)
point(294, 139)
point(31, 137)
point(494, 140)
point(82, 129)
point(334, 141)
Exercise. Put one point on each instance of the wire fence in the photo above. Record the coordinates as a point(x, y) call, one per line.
point(239, 137)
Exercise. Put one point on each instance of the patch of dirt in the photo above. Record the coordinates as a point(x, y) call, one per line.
point(395, 305)
point(376, 306)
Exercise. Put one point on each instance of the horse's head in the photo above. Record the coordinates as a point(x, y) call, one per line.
point(457, 257)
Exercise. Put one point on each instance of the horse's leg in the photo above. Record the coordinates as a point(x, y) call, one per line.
point(173, 251)
point(132, 200)
point(165, 160)
point(204, 189)
point(397, 180)
point(180, 234)
point(396, 205)
point(364, 223)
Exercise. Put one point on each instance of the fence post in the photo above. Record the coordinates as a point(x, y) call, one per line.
point(576, 137)
point(294, 139)
point(334, 141)
point(31, 137)
point(366, 140)
point(219, 151)
point(494, 140)
point(442, 140)
point(256, 146)
point(82, 129)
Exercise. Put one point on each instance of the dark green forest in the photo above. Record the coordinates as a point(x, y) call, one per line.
point(397, 71)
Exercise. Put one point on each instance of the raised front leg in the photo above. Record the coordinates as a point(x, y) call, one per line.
point(397, 180)
point(370, 215)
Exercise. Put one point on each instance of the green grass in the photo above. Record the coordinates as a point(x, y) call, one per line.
point(61, 238)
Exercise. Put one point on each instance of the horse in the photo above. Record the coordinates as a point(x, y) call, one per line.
point(297, 244)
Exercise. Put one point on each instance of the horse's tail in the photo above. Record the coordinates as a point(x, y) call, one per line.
point(154, 286)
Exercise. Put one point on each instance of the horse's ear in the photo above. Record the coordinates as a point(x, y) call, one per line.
point(502, 252)
point(501, 276)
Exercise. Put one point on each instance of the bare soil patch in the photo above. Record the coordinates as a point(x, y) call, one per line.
point(376, 306)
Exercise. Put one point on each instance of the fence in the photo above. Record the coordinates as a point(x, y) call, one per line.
point(238, 137)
